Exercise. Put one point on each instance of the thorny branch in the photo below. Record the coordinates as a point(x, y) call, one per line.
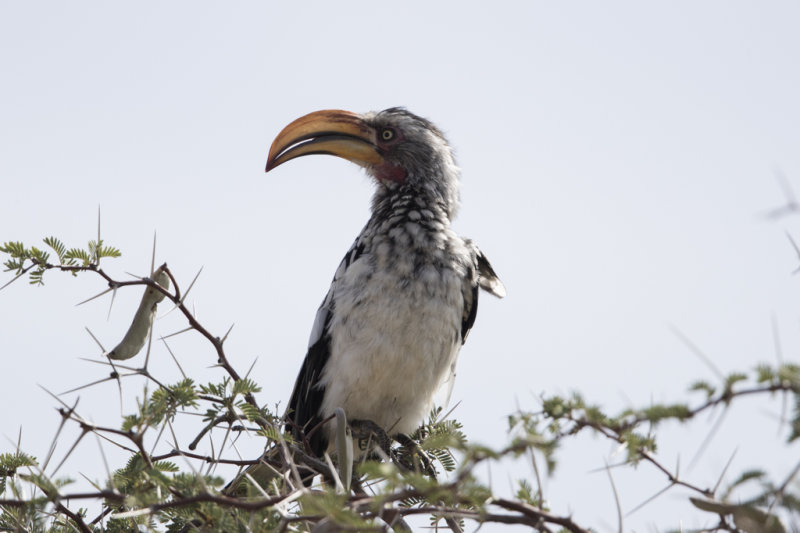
point(359, 502)
point(580, 416)
point(397, 493)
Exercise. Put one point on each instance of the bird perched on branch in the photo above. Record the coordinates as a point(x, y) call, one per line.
point(388, 333)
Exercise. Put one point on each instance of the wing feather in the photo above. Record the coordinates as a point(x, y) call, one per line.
point(488, 279)
point(306, 400)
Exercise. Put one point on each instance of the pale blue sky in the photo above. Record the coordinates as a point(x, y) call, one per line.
point(617, 160)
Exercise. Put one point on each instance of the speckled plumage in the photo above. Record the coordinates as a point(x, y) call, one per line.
point(387, 336)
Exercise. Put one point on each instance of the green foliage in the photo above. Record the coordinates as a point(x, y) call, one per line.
point(220, 390)
point(432, 472)
point(47, 486)
point(525, 493)
point(794, 423)
point(97, 251)
point(162, 405)
point(58, 247)
point(245, 386)
point(34, 261)
point(137, 477)
point(437, 440)
point(789, 373)
point(533, 431)
point(19, 256)
point(765, 373)
point(637, 445)
point(10, 462)
point(659, 413)
point(704, 386)
point(272, 433)
point(744, 477)
point(333, 506)
point(731, 380)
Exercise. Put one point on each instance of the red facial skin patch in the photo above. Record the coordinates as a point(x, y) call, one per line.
point(389, 172)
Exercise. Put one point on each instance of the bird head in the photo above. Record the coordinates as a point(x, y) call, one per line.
point(402, 151)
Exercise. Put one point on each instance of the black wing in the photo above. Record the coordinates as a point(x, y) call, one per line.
point(307, 395)
point(470, 312)
point(306, 401)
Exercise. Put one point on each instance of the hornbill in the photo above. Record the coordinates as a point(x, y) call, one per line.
point(387, 335)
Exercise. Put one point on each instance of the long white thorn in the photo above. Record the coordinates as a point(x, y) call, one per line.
point(15, 278)
point(190, 328)
point(95, 339)
point(247, 375)
point(153, 258)
point(191, 284)
point(185, 294)
point(95, 296)
point(173, 357)
point(227, 333)
point(98, 235)
point(149, 345)
point(108, 363)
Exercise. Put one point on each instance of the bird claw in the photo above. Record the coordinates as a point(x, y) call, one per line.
point(415, 460)
point(367, 433)
point(410, 457)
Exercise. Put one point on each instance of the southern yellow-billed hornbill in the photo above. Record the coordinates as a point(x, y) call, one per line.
point(404, 297)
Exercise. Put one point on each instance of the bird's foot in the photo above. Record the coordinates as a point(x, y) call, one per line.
point(415, 459)
point(367, 434)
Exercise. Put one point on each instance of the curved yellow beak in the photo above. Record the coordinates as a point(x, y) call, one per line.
point(333, 132)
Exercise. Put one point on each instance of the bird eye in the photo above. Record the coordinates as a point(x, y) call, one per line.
point(387, 134)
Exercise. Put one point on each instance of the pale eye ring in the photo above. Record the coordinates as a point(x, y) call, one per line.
point(387, 134)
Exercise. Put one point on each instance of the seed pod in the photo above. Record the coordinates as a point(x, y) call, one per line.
point(137, 334)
